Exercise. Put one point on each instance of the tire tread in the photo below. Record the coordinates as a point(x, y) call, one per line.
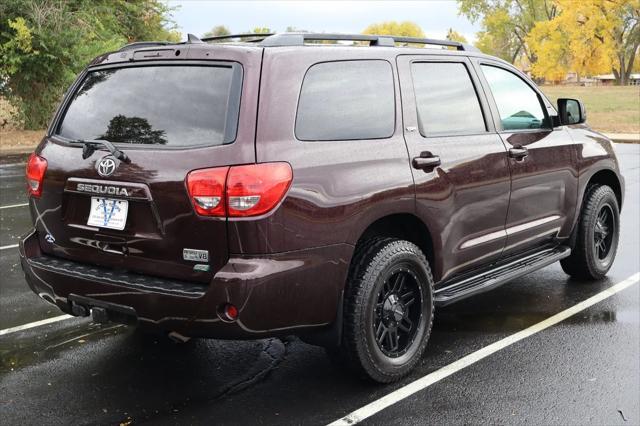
point(580, 264)
point(369, 262)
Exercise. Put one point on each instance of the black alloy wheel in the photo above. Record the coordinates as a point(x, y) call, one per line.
point(397, 313)
point(594, 241)
point(388, 310)
point(603, 232)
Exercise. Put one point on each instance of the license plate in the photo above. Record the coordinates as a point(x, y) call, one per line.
point(108, 213)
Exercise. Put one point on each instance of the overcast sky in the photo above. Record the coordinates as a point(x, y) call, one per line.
point(435, 16)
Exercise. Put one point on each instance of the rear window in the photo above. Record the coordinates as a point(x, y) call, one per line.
point(346, 100)
point(176, 106)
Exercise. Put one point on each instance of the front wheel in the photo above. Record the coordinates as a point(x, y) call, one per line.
point(596, 238)
point(388, 309)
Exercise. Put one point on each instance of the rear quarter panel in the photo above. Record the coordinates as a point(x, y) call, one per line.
point(339, 187)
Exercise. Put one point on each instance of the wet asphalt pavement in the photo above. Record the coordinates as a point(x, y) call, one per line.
point(584, 370)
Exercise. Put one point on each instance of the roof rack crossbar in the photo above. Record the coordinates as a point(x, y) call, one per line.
point(257, 36)
point(297, 39)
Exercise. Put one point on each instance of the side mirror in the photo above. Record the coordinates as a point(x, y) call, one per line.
point(571, 111)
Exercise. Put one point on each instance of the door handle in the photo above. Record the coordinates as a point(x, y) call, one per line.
point(426, 161)
point(518, 152)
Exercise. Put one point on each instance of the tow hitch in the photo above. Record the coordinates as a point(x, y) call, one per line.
point(102, 312)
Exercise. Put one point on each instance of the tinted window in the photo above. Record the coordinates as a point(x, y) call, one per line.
point(346, 100)
point(163, 105)
point(518, 104)
point(446, 99)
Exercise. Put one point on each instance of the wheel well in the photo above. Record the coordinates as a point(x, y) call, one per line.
point(404, 226)
point(609, 178)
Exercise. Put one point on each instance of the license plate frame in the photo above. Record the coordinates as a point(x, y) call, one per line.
point(109, 213)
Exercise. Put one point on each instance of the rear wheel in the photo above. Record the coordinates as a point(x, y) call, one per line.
point(596, 235)
point(388, 309)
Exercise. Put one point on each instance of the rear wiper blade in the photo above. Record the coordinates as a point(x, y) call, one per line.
point(90, 146)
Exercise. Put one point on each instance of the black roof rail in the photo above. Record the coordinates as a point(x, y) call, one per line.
point(299, 39)
point(256, 37)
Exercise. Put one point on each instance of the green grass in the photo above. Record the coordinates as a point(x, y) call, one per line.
point(614, 109)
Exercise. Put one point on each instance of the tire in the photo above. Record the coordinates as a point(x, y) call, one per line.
point(596, 235)
point(388, 310)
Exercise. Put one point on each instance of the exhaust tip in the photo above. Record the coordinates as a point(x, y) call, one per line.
point(99, 315)
point(176, 337)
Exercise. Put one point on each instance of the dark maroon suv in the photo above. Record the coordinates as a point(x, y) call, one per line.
point(338, 188)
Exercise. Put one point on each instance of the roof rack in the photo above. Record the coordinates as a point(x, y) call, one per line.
point(256, 37)
point(299, 39)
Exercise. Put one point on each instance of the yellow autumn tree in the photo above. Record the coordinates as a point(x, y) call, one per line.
point(405, 28)
point(453, 35)
point(587, 37)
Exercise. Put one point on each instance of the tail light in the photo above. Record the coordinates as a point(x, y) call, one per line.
point(36, 168)
point(206, 188)
point(239, 191)
point(255, 189)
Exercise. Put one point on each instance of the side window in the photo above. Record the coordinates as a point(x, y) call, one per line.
point(446, 100)
point(518, 104)
point(346, 100)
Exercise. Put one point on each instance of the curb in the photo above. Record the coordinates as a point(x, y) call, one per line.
point(16, 151)
point(625, 140)
point(623, 137)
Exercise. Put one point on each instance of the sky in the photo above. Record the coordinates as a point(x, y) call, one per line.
point(435, 17)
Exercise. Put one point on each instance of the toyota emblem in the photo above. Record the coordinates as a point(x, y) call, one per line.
point(107, 166)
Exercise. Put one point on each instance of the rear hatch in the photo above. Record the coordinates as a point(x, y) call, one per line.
point(169, 117)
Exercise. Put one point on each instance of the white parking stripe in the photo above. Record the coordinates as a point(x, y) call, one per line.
point(8, 247)
point(34, 324)
point(426, 381)
point(13, 205)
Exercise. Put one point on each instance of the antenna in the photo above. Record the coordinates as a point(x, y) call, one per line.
point(193, 39)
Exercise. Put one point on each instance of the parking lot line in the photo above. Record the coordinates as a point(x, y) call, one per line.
point(13, 205)
point(426, 381)
point(8, 247)
point(34, 324)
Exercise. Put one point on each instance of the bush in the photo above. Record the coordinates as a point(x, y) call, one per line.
point(44, 44)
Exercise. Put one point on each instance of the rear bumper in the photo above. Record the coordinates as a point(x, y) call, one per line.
point(285, 293)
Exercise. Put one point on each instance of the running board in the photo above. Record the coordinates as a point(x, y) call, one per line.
point(459, 289)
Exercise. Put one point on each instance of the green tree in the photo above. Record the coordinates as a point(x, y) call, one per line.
point(140, 20)
point(45, 44)
point(506, 24)
point(260, 30)
point(218, 30)
point(455, 36)
point(405, 28)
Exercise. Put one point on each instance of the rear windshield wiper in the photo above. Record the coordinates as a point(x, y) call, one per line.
point(90, 146)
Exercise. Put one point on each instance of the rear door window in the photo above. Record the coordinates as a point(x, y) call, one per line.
point(346, 100)
point(518, 104)
point(446, 99)
point(172, 105)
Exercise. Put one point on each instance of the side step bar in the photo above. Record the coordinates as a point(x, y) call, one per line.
point(459, 289)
